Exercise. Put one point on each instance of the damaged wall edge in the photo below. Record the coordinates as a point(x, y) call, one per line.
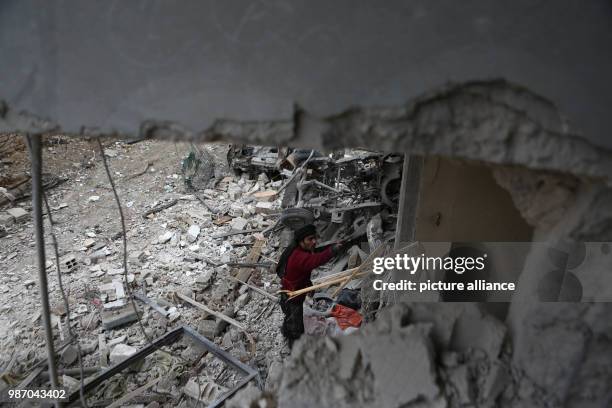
point(492, 121)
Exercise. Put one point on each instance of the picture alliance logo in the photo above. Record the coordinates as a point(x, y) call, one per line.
point(412, 264)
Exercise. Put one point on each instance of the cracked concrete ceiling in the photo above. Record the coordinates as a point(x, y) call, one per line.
point(116, 64)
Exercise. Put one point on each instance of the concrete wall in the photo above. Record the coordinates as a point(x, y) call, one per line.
point(461, 202)
point(114, 64)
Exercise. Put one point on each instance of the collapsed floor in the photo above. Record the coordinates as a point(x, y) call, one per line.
point(409, 354)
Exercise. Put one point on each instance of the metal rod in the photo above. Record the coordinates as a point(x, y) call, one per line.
point(37, 190)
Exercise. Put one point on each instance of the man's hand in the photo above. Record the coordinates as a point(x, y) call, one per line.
point(338, 247)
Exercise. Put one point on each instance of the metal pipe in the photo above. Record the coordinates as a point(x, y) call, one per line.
point(37, 190)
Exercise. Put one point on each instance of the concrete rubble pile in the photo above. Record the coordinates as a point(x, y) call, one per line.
point(179, 246)
point(193, 240)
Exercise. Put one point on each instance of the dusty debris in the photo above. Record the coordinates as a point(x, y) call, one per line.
point(121, 352)
point(119, 317)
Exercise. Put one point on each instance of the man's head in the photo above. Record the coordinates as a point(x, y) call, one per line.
point(306, 237)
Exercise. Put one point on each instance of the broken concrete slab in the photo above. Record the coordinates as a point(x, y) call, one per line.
point(264, 207)
point(116, 341)
point(116, 318)
point(478, 330)
point(402, 365)
point(70, 355)
point(238, 223)
point(242, 300)
point(222, 324)
point(267, 195)
point(204, 279)
point(391, 364)
point(249, 396)
point(121, 352)
point(207, 328)
point(18, 213)
point(89, 242)
point(494, 382)
point(165, 238)
point(459, 382)
point(115, 287)
point(193, 233)
point(6, 220)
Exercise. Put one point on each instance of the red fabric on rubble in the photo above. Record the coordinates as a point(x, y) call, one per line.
point(346, 317)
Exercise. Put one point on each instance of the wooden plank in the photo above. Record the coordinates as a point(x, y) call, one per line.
point(234, 232)
point(245, 273)
point(377, 252)
point(210, 311)
point(256, 289)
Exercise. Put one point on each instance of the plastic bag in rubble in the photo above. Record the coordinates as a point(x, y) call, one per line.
point(198, 168)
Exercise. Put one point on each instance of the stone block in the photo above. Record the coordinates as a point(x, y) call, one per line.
point(18, 213)
point(207, 328)
point(121, 352)
point(263, 207)
point(6, 219)
point(238, 223)
point(268, 195)
point(193, 233)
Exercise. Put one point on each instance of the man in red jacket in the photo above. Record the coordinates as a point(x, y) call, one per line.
point(294, 268)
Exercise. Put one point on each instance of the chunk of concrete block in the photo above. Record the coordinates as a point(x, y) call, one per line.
point(165, 238)
point(193, 233)
point(238, 223)
point(242, 301)
point(207, 328)
point(121, 352)
point(89, 242)
point(268, 195)
point(495, 382)
point(248, 396)
point(119, 317)
point(18, 213)
point(69, 355)
point(204, 279)
point(264, 207)
point(6, 219)
point(459, 379)
point(478, 330)
point(222, 324)
point(402, 364)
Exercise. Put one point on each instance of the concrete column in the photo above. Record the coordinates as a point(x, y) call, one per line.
point(409, 199)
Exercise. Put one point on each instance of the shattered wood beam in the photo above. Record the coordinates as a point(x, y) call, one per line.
point(210, 311)
point(234, 232)
point(249, 265)
point(365, 264)
point(255, 288)
point(292, 294)
point(245, 273)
